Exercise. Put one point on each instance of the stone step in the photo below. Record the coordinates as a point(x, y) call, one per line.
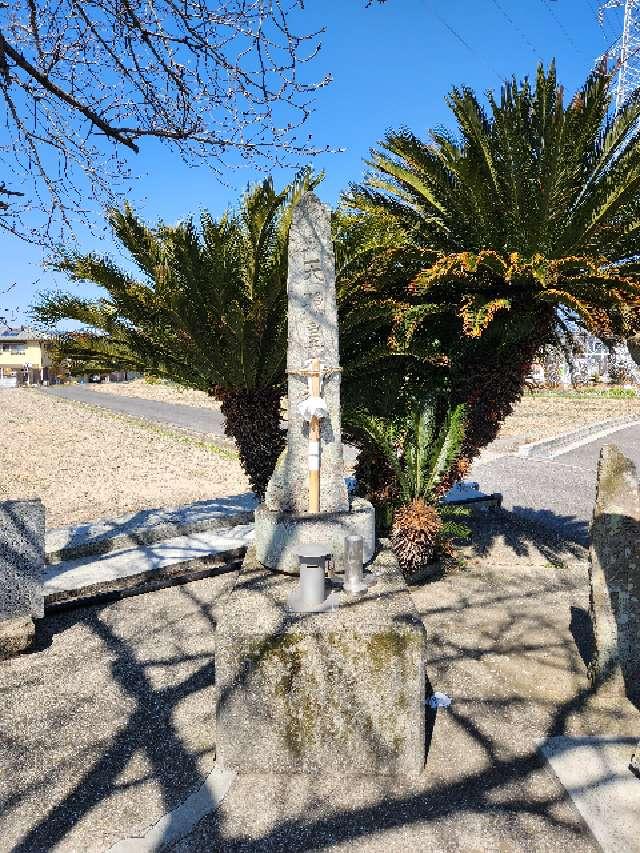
point(146, 527)
point(181, 557)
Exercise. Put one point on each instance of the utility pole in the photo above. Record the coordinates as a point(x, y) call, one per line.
point(625, 52)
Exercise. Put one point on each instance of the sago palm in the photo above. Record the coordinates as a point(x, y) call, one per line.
point(523, 220)
point(206, 309)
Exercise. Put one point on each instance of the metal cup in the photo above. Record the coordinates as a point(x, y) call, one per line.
point(353, 561)
point(354, 581)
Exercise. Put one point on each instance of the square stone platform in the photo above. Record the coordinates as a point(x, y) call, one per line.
point(341, 691)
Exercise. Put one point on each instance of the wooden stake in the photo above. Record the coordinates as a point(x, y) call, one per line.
point(314, 443)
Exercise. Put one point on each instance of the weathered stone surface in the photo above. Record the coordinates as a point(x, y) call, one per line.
point(615, 575)
point(278, 534)
point(313, 333)
point(21, 559)
point(341, 691)
point(16, 635)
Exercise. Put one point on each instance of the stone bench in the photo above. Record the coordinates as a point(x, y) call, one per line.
point(341, 691)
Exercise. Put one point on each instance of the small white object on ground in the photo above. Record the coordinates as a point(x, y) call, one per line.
point(439, 700)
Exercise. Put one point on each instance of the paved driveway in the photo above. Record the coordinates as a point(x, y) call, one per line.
point(192, 418)
point(559, 492)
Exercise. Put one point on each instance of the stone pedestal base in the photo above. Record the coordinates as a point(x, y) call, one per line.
point(278, 534)
point(341, 691)
point(16, 636)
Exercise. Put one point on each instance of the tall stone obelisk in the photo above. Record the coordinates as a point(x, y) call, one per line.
point(313, 333)
point(283, 520)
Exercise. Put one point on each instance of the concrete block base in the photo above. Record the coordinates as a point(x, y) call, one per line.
point(278, 534)
point(16, 636)
point(341, 691)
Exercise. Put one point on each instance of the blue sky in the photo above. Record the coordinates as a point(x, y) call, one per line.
point(391, 65)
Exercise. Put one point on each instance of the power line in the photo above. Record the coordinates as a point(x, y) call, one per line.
point(463, 41)
point(520, 32)
point(561, 26)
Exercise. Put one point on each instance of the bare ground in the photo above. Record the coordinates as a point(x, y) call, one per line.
point(87, 464)
point(537, 416)
point(110, 723)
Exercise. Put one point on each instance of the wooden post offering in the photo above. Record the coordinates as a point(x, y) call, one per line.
point(314, 442)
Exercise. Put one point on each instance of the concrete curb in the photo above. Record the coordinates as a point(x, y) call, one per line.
point(550, 448)
point(174, 825)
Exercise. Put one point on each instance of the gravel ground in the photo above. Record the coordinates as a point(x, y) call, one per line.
point(87, 464)
point(111, 723)
point(163, 392)
point(537, 416)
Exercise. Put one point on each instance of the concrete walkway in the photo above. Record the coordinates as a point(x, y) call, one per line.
point(109, 727)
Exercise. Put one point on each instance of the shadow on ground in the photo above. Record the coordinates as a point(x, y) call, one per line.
point(112, 725)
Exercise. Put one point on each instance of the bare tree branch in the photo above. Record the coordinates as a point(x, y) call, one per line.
point(83, 84)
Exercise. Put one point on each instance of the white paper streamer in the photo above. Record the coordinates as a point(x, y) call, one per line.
point(313, 407)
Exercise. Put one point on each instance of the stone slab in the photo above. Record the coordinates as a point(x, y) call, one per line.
point(146, 527)
point(278, 534)
point(131, 566)
point(21, 559)
point(614, 573)
point(595, 772)
point(341, 691)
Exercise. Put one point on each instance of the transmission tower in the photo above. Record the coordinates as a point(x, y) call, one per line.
point(626, 50)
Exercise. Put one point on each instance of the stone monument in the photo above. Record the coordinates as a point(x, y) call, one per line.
point(615, 576)
point(287, 518)
point(21, 568)
point(314, 683)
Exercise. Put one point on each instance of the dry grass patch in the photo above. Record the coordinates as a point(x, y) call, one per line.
point(539, 416)
point(87, 463)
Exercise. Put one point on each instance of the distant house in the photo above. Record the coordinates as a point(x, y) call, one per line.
point(592, 362)
point(25, 357)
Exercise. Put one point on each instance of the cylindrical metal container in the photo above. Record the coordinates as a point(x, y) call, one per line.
point(312, 586)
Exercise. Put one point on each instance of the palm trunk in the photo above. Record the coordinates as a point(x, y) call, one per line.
point(252, 418)
point(491, 385)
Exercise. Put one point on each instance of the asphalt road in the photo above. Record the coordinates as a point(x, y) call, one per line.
point(207, 421)
point(557, 492)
